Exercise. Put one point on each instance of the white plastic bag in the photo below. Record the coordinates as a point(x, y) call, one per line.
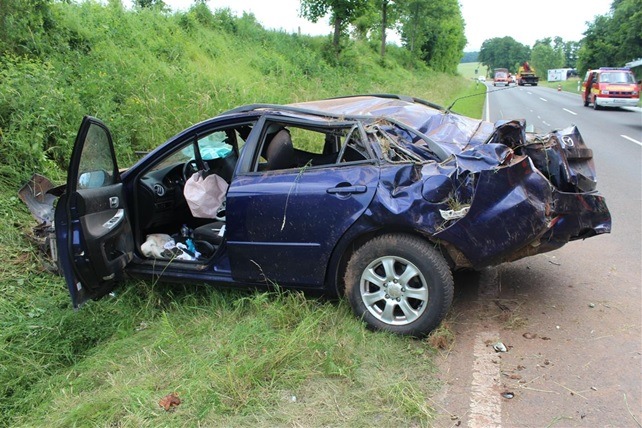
point(205, 195)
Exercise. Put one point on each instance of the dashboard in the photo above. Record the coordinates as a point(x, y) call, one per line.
point(162, 205)
point(161, 200)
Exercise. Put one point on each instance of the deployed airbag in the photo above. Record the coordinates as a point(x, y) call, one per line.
point(205, 194)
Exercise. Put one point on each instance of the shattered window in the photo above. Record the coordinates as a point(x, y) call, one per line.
point(96, 167)
point(287, 146)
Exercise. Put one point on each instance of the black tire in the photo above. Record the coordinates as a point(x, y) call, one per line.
point(399, 283)
point(595, 106)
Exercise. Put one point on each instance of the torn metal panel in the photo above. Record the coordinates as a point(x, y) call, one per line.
point(35, 195)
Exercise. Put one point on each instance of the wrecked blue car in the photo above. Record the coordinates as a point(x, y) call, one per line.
point(378, 198)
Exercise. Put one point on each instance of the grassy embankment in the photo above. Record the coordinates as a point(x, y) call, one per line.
point(234, 358)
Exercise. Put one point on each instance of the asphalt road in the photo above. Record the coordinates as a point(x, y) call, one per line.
point(571, 320)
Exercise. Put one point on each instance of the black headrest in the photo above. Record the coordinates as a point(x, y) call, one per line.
point(280, 152)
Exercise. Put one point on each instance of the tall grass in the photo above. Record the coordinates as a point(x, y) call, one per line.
point(234, 358)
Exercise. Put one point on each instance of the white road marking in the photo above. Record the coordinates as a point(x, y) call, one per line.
point(546, 123)
point(485, 398)
point(487, 106)
point(543, 99)
point(632, 140)
point(569, 111)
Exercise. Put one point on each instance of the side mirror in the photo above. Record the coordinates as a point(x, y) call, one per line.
point(92, 179)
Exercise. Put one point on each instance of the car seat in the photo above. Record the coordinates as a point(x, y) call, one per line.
point(280, 152)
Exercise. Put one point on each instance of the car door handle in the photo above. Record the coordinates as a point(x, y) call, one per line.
point(114, 202)
point(348, 189)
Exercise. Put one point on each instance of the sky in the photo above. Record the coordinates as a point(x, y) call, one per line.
point(484, 19)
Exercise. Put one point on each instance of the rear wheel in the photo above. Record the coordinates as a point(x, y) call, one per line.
point(399, 283)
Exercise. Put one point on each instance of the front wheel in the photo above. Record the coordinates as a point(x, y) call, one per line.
point(399, 283)
point(595, 105)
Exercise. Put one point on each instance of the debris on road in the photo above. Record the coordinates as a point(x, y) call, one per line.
point(500, 347)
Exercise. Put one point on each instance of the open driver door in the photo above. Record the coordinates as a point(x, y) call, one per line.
point(93, 233)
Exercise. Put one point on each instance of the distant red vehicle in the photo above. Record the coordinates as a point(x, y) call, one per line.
point(610, 87)
point(500, 77)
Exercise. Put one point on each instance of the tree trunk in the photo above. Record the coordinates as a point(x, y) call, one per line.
point(384, 24)
point(415, 21)
point(337, 33)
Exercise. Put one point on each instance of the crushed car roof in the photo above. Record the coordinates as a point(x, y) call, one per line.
point(451, 131)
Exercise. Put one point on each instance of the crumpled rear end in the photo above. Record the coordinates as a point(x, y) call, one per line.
point(537, 200)
point(509, 196)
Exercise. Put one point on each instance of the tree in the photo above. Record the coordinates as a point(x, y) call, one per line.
point(367, 23)
point(503, 52)
point(342, 13)
point(547, 54)
point(414, 15)
point(375, 19)
point(143, 4)
point(571, 50)
point(433, 30)
point(613, 39)
point(470, 57)
point(385, 5)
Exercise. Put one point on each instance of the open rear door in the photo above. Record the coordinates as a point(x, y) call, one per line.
point(93, 233)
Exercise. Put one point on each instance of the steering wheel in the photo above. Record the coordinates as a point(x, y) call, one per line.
point(189, 168)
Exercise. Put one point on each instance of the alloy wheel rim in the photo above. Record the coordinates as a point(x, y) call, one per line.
point(394, 290)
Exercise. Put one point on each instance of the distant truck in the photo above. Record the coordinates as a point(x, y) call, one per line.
point(526, 75)
point(500, 77)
